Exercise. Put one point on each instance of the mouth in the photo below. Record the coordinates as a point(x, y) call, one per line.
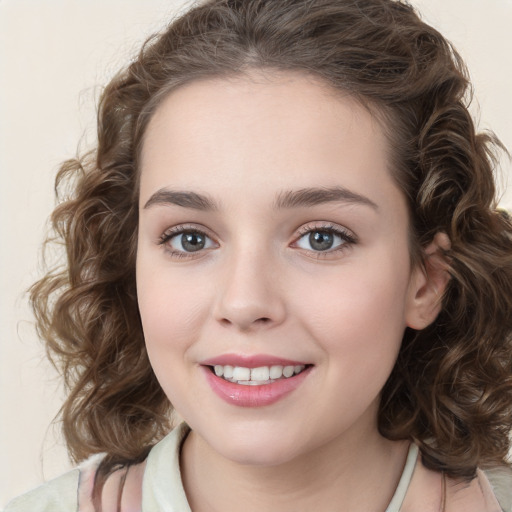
point(260, 376)
point(256, 380)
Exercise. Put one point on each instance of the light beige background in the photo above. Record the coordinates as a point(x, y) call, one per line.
point(54, 55)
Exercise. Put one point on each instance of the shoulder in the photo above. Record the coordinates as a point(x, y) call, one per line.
point(159, 477)
point(501, 482)
point(57, 495)
point(429, 490)
point(162, 485)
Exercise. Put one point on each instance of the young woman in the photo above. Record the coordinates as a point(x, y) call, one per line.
point(288, 235)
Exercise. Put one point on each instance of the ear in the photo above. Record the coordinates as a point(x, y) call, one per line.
point(428, 283)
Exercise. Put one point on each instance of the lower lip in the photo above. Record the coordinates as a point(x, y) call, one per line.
point(254, 396)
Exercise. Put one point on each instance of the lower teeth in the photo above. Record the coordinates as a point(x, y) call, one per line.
point(257, 382)
point(251, 382)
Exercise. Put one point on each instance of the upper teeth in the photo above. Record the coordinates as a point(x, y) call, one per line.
point(255, 376)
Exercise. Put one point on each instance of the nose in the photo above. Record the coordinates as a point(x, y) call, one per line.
point(249, 296)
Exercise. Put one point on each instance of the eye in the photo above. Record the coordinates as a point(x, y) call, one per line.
point(182, 241)
point(324, 239)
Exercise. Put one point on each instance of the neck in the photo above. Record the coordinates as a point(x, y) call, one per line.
point(357, 471)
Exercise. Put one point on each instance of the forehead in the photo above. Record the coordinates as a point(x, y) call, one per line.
point(287, 129)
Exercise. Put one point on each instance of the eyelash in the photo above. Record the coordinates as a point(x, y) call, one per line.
point(175, 231)
point(348, 239)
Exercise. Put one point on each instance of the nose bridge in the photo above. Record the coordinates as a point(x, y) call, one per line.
point(249, 294)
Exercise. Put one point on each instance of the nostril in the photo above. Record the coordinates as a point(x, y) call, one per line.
point(264, 320)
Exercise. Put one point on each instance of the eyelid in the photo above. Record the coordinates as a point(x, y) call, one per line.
point(326, 226)
point(347, 235)
point(174, 231)
point(181, 228)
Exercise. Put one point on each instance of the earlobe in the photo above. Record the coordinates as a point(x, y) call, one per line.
point(428, 284)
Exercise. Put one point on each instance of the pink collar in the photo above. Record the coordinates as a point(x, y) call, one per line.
point(431, 491)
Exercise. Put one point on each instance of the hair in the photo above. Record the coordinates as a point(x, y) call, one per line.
point(451, 388)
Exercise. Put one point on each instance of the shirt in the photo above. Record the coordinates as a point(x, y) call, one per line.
point(159, 479)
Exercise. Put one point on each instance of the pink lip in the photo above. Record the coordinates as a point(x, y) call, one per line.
point(254, 361)
point(253, 396)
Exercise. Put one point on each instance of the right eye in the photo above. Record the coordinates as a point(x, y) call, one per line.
point(183, 241)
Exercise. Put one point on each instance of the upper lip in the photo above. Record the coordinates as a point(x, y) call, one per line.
point(250, 361)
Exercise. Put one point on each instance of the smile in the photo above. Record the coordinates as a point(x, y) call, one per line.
point(254, 381)
point(260, 376)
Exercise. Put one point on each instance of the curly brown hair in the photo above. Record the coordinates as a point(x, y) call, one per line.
point(451, 388)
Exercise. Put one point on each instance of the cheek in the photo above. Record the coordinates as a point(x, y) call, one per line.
point(358, 318)
point(172, 308)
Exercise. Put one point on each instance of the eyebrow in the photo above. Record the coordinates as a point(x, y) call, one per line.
point(285, 200)
point(185, 199)
point(315, 196)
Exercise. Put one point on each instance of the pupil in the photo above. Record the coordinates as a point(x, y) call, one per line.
point(321, 240)
point(192, 242)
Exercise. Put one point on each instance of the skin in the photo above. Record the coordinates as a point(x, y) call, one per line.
point(260, 287)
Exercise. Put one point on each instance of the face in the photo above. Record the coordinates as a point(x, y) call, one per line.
point(273, 267)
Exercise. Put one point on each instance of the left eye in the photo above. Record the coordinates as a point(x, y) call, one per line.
point(189, 241)
point(322, 240)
